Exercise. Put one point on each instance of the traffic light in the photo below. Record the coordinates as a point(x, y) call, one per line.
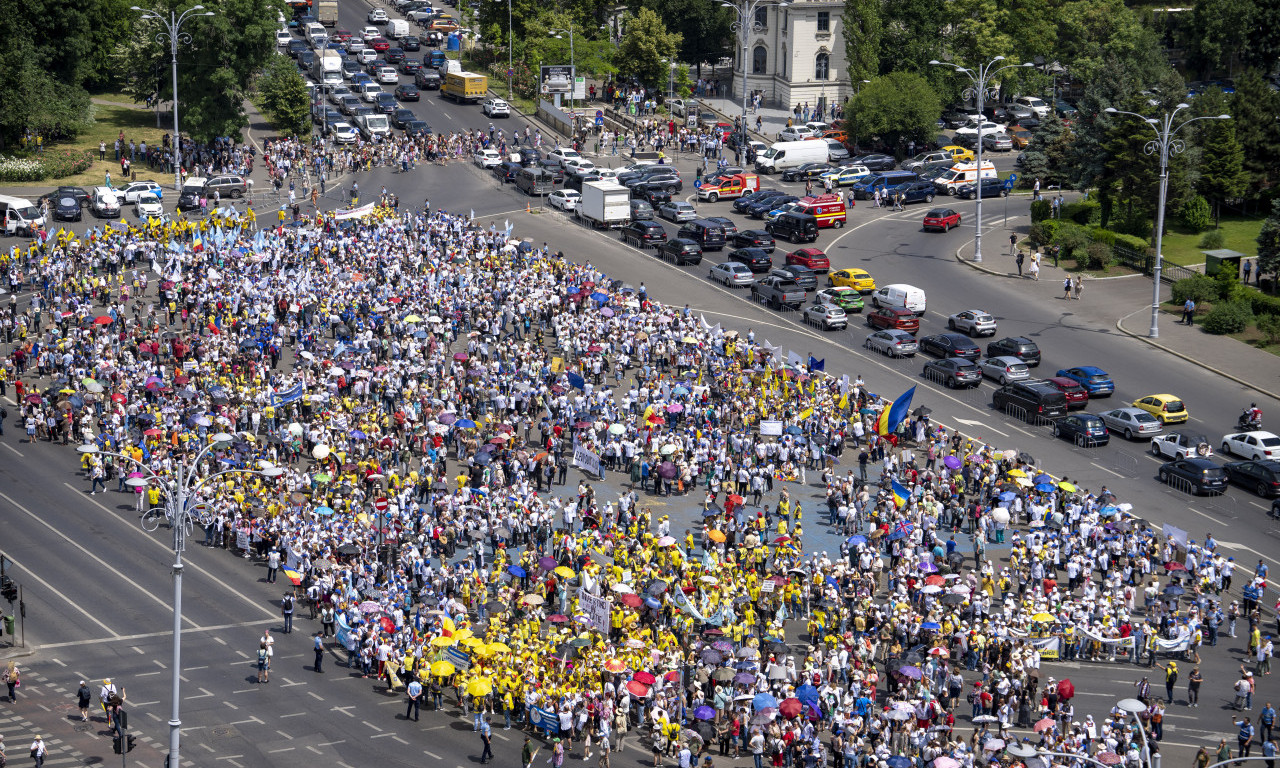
point(130, 739)
point(8, 589)
point(115, 744)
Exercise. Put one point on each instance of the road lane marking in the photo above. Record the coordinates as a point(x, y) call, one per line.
point(1206, 517)
point(149, 635)
point(188, 563)
point(68, 600)
point(431, 755)
point(1104, 469)
point(15, 450)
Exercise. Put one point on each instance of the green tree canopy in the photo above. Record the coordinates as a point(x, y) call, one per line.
point(284, 97)
point(897, 107)
point(863, 26)
point(1048, 156)
point(1256, 112)
point(646, 48)
point(1269, 243)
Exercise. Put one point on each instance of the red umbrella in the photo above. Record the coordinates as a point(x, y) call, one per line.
point(557, 618)
point(102, 320)
point(636, 688)
point(644, 677)
point(153, 432)
point(388, 625)
point(672, 677)
point(632, 600)
point(1066, 689)
point(790, 707)
point(656, 419)
point(1043, 725)
point(934, 578)
point(1174, 565)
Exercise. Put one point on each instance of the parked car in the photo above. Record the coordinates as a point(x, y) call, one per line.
point(805, 172)
point(1180, 444)
point(135, 189)
point(892, 342)
point(1261, 477)
point(1130, 422)
point(997, 142)
point(990, 188)
point(1199, 476)
point(1084, 429)
point(677, 211)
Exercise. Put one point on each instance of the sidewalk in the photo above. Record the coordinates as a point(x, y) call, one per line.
point(1231, 359)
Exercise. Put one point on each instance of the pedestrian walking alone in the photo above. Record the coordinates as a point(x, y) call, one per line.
point(318, 647)
point(13, 680)
point(486, 736)
point(264, 672)
point(83, 697)
point(38, 751)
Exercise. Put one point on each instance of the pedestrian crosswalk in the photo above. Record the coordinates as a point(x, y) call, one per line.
point(19, 732)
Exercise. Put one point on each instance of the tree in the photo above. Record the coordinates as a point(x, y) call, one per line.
point(1214, 33)
point(863, 24)
point(910, 39)
point(897, 107)
point(704, 28)
point(1269, 243)
point(977, 32)
point(1255, 110)
point(284, 97)
point(646, 48)
point(1262, 39)
point(1127, 183)
point(1048, 156)
point(1221, 170)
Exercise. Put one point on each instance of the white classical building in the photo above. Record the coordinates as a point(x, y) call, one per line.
point(795, 55)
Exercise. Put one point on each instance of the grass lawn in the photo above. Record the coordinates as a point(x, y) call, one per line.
point(138, 123)
point(1240, 233)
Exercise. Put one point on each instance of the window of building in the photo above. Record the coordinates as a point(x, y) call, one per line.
point(822, 66)
point(784, 19)
point(782, 62)
point(762, 17)
point(759, 59)
point(824, 21)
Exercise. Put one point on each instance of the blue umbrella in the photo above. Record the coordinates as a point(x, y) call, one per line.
point(482, 458)
point(704, 713)
point(1044, 487)
point(898, 761)
point(763, 701)
point(807, 694)
point(856, 539)
point(1042, 478)
point(599, 298)
point(710, 512)
point(931, 625)
point(652, 602)
point(324, 511)
point(794, 430)
point(1008, 496)
point(465, 423)
point(516, 571)
point(897, 534)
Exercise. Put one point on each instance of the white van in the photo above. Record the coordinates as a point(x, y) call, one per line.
point(900, 296)
point(317, 36)
point(961, 174)
point(791, 154)
point(19, 216)
point(397, 28)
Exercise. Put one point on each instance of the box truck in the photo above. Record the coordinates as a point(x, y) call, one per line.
point(604, 204)
point(327, 68)
point(736, 185)
point(790, 154)
point(464, 87)
point(327, 12)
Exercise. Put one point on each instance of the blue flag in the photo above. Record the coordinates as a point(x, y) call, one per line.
point(290, 395)
point(816, 365)
point(576, 381)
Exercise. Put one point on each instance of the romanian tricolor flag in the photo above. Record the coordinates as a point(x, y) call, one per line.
point(197, 244)
point(889, 419)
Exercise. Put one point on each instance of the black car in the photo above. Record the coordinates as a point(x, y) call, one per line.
point(915, 191)
point(386, 103)
point(1084, 429)
point(407, 92)
point(644, 233)
point(875, 162)
point(1261, 477)
point(759, 209)
point(990, 188)
point(350, 67)
point(402, 117)
point(756, 259)
point(529, 156)
point(1198, 476)
point(66, 208)
point(1032, 399)
point(394, 55)
point(950, 345)
point(296, 47)
point(507, 171)
point(655, 196)
point(427, 79)
point(668, 182)
point(630, 178)
point(746, 201)
point(306, 59)
point(681, 251)
point(410, 66)
point(1015, 346)
point(410, 43)
point(954, 372)
point(752, 238)
point(375, 65)
point(730, 228)
point(803, 276)
point(805, 172)
point(417, 128)
point(79, 193)
point(1030, 123)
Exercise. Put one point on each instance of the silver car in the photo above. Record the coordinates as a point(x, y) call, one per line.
point(892, 342)
point(975, 322)
point(997, 142)
point(826, 316)
point(734, 274)
point(1131, 421)
point(677, 211)
point(1005, 369)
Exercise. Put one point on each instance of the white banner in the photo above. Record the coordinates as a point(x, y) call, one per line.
point(596, 609)
point(770, 428)
point(354, 213)
point(1176, 535)
point(583, 457)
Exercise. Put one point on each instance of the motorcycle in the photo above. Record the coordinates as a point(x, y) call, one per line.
point(1249, 421)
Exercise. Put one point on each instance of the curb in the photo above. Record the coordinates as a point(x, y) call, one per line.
point(17, 653)
point(1211, 369)
point(983, 268)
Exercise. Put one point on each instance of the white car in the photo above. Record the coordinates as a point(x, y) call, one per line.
point(560, 154)
point(1004, 369)
point(487, 158)
point(136, 189)
point(369, 91)
point(733, 274)
point(975, 322)
point(495, 107)
point(283, 37)
point(795, 133)
point(355, 45)
point(147, 205)
point(564, 199)
point(1037, 106)
point(1130, 422)
point(971, 129)
point(377, 16)
point(388, 75)
point(836, 151)
point(366, 55)
point(369, 33)
point(578, 165)
point(1258, 446)
point(343, 133)
point(605, 173)
point(1181, 445)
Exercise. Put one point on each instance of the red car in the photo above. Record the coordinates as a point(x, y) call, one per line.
point(893, 317)
point(342, 35)
point(380, 44)
point(941, 219)
point(1077, 396)
point(813, 258)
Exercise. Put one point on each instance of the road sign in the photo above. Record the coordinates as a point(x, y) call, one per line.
point(1008, 184)
point(599, 120)
point(1013, 177)
point(697, 183)
point(380, 504)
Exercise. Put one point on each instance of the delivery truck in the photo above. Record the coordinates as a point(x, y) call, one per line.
point(327, 12)
point(327, 68)
point(604, 204)
point(791, 154)
point(464, 87)
point(736, 185)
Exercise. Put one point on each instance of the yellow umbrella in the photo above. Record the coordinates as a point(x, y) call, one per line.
point(413, 319)
point(499, 647)
point(532, 599)
point(462, 634)
point(442, 641)
point(1017, 473)
point(565, 571)
point(1044, 617)
point(472, 642)
point(479, 687)
point(1068, 487)
point(442, 668)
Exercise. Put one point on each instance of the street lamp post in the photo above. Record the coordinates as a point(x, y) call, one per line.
point(510, 52)
point(573, 68)
point(981, 78)
point(180, 516)
point(1164, 144)
point(174, 34)
point(746, 24)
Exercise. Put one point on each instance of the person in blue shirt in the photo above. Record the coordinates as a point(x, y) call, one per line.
point(1267, 719)
point(1244, 737)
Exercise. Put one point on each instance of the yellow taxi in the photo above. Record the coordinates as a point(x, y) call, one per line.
point(1167, 408)
point(1021, 137)
point(857, 279)
point(959, 154)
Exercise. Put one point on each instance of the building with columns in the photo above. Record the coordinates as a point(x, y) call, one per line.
point(795, 56)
